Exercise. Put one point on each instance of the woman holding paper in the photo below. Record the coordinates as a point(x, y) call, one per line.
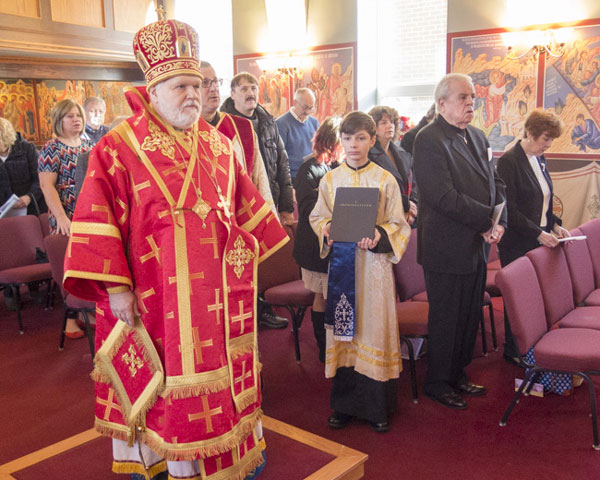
point(529, 197)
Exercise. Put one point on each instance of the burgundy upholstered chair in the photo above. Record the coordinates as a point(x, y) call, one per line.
point(581, 270)
point(19, 237)
point(280, 281)
point(560, 350)
point(45, 224)
point(553, 276)
point(412, 314)
point(493, 266)
point(592, 230)
point(56, 247)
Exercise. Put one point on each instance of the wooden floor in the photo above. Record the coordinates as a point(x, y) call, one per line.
point(348, 463)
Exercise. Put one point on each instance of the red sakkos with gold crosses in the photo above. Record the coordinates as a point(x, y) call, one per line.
point(172, 216)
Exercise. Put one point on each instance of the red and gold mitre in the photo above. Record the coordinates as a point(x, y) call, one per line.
point(165, 49)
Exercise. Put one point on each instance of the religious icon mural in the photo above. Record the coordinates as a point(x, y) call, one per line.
point(505, 89)
point(27, 103)
point(509, 86)
point(572, 90)
point(17, 104)
point(327, 70)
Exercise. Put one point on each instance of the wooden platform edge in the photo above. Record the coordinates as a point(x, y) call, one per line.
point(348, 464)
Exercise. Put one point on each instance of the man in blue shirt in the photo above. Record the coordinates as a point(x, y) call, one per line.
point(297, 128)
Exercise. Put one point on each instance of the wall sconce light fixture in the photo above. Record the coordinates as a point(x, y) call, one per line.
point(536, 42)
point(289, 63)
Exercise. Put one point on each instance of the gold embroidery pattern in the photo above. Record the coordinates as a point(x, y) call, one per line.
point(133, 361)
point(159, 139)
point(217, 147)
point(157, 42)
point(163, 68)
point(239, 256)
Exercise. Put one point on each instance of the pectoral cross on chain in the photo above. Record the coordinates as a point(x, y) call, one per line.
point(223, 204)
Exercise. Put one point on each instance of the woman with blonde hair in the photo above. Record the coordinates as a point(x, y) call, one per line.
point(57, 162)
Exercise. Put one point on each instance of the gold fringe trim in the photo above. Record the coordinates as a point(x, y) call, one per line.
point(118, 343)
point(245, 399)
point(242, 350)
point(109, 431)
point(140, 418)
point(136, 467)
point(188, 391)
point(252, 465)
point(98, 375)
point(193, 453)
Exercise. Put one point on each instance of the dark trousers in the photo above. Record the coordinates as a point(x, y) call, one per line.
point(455, 312)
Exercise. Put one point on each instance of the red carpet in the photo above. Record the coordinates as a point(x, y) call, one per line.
point(46, 396)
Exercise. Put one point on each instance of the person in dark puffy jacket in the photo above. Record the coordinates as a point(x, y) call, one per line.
point(243, 102)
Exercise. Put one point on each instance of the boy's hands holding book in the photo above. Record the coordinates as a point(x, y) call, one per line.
point(368, 243)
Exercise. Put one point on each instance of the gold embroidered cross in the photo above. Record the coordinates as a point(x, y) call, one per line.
point(154, 250)
point(109, 404)
point(133, 361)
point(206, 414)
point(239, 256)
point(199, 345)
point(75, 239)
point(212, 240)
point(245, 375)
point(247, 207)
point(217, 306)
point(143, 296)
point(241, 317)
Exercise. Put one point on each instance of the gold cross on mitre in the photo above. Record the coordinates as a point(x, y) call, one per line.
point(160, 10)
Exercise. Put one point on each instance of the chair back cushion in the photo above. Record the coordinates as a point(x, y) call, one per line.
point(409, 276)
point(555, 281)
point(45, 223)
point(19, 237)
point(56, 247)
point(580, 266)
point(280, 267)
point(523, 302)
point(592, 230)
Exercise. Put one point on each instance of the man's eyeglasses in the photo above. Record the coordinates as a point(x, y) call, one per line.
point(305, 108)
point(207, 82)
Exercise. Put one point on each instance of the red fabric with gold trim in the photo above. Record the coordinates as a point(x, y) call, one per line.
point(232, 126)
point(188, 293)
point(165, 49)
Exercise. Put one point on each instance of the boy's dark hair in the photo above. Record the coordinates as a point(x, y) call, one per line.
point(356, 121)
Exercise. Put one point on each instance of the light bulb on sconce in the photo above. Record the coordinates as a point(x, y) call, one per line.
point(289, 63)
point(536, 42)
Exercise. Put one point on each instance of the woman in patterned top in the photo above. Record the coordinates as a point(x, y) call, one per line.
point(56, 166)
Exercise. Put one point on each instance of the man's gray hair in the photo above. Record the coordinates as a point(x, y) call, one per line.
point(442, 89)
point(92, 101)
point(303, 91)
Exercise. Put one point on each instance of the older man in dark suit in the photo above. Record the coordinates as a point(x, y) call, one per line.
point(458, 190)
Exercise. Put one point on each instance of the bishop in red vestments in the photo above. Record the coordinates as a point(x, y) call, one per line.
point(167, 236)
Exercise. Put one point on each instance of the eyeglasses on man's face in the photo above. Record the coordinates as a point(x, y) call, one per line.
point(208, 82)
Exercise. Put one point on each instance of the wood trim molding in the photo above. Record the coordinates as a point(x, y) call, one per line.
point(48, 69)
point(67, 50)
point(348, 464)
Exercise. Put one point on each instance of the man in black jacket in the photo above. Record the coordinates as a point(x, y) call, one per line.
point(244, 103)
point(458, 190)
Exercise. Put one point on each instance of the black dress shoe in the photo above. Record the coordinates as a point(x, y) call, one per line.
point(338, 420)
point(270, 320)
point(471, 389)
point(380, 427)
point(450, 399)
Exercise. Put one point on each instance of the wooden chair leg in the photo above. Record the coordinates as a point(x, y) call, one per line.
point(16, 291)
point(297, 317)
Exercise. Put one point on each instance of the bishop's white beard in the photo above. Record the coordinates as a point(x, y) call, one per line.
point(180, 118)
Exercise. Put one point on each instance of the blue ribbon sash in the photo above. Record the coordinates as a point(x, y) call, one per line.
point(340, 312)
